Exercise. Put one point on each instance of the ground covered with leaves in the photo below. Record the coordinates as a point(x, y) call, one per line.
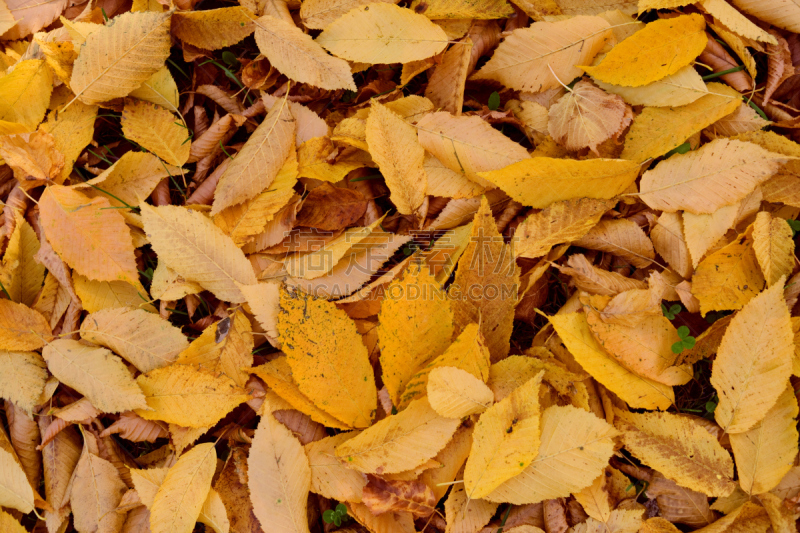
point(443, 266)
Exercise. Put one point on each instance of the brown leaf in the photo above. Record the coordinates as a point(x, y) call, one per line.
point(382, 496)
point(331, 208)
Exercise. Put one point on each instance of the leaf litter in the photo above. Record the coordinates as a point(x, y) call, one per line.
point(366, 266)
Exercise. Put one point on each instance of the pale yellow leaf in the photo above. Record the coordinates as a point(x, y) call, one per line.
point(96, 490)
point(317, 14)
point(679, 448)
point(279, 478)
point(180, 497)
point(658, 130)
point(22, 378)
point(98, 295)
point(773, 244)
point(299, 57)
point(168, 285)
point(466, 515)
point(26, 274)
point(329, 477)
point(765, 453)
point(678, 89)
point(575, 448)
point(213, 29)
point(183, 395)
point(189, 243)
point(260, 160)
point(119, 57)
point(717, 174)
point(540, 181)
point(670, 243)
point(506, 440)
point(394, 146)
point(443, 181)
point(455, 393)
point(782, 13)
point(524, 60)
point(96, 373)
point(462, 9)
point(159, 89)
point(637, 391)
point(467, 145)
point(15, 491)
point(703, 231)
point(754, 361)
point(157, 130)
point(383, 33)
point(399, 442)
point(146, 340)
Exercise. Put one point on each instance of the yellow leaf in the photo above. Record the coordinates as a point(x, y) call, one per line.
point(415, 325)
point(279, 478)
point(662, 48)
point(587, 116)
point(190, 244)
point(15, 490)
point(329, 477)
point(277, 374)
point(575, 448)
point(448, 183)
point(96, 373)
point(147, 481)
point(96, 490)
point(487, 264)
point(6, 23)
point(717, 174)
point(259, 161)
point(7, 522)
point(317, 327)
point(512, 372)
point(229, 352)
point(168, 285)
point(299, 57)
point(188, 397)
point(540, 181)
point(783, 14)
point(313, 163)
point(703, 231)
point(765, 453)
point(596, 280)
point(773, 244)
point(214, 514)
point(180, 497)
point(213, 29)
point(505, 441)
point(22, 378)
point(383, 33)
point(144, 339)
point(24, 95)
point(657, 130)
point(467, 145)
point(637, 391)
point(455, 393)
point(670, 243)
point(394, 146)
point(92, 239)
point(399, 442)
point(159, 89)
point(119, 57)
point(462, 9)
point(468, 352)
point(754, 361)
point(317, 14)
point(72, 129)
point(560, 222)
point(157, 130)
point(98, 295)
point(679, 448)
point(524, 59)
point(130, 179)
point(678, 89)
point(728, 278)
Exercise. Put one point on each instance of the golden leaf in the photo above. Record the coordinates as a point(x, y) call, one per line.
point(329, 477)
point(774, 247)
point(24, 95)
point(15, 491)
point(22, 378)
point(96, 490)
point(455, 393)
point(347, 391)
point(157, 130)
point(213, 29)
